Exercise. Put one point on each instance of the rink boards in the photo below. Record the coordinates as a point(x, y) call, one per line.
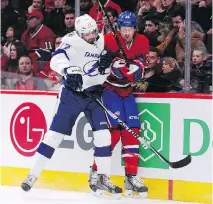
point(175, 124)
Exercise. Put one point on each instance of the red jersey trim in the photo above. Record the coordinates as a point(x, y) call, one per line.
point(37, 31)
point(25, 92)
point(137, 94)
point(173, 95)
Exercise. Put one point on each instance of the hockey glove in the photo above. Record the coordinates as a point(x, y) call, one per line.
point(132, 70)
point(73, 78)
point(135, 71)
point(118, 67)
point(105, 62)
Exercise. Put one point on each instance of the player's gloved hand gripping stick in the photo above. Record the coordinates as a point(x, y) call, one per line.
point(105, 62)
point(175, 165)
point(73, 78)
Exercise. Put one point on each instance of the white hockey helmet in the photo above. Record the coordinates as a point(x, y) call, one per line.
point(85, 24)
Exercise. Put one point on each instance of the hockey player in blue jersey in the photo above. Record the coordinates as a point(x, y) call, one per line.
point(76, 60)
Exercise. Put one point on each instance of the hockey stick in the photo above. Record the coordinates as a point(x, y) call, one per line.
point(175, 165)
point(113, 31)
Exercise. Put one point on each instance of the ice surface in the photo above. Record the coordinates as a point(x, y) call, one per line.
point(15, 195)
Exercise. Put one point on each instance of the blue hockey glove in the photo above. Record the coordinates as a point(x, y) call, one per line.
point(105, 62)
point(73, 78)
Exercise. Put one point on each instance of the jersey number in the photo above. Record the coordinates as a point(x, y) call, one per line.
point(48, 46)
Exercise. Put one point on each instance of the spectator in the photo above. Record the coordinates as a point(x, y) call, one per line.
point(152, 31)
point(85, 6)
point(10, 37)
point(9, 17)
point(167, 78)
point(56, 18)
point(172, 72)
point(202, 14)
point(47, 73)
point(97, 14)
point(59, 3)
point(4, 58)
point(38, 38)
point(113, 15)
point(17, 49)
point(25, 79)
point(69, 20)
point(40, 6)
point(197, 36)
point(159, 6)
point(209, 41)
point(170, 39)
point(49, 5)
point(152, 67)
point(36, 4)
point(144, 9)
point(201, 71)
point(58, 41)
point(169, 6)
point(152, 63)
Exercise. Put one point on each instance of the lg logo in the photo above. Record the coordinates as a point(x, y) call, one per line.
point(27, 128)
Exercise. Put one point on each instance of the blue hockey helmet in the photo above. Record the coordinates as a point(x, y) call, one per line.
point(127, 19)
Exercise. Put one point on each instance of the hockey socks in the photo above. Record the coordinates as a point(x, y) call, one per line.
point(130, 151)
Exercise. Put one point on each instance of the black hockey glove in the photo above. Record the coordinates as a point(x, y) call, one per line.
point(105, 62)
point(73, 79)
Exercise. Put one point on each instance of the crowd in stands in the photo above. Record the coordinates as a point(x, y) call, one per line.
point(30, 35)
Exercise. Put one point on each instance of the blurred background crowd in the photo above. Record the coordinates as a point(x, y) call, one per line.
point(32, 29)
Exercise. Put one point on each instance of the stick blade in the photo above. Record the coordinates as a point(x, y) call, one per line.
point(179, 164)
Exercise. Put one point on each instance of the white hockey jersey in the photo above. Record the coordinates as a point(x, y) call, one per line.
point(75, 53)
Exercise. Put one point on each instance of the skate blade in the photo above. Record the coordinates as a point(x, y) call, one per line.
point(136, 195)
point(106, 195)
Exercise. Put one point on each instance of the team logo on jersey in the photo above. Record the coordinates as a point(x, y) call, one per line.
point(88, 54)
point(91, 68)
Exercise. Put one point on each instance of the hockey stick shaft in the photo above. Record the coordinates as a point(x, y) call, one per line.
point(113, 31)
point(177, 164)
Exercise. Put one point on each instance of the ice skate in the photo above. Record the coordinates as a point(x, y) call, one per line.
point(28, 182)
point(134, 187)
point(93, 178)
point(103, 188)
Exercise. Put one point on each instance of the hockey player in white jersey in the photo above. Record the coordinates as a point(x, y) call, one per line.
point(77, 60)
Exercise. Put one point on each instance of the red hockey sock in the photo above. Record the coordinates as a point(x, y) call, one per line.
point(94, 166)
point(130, 151)
point(115, 137)
point(131, 165)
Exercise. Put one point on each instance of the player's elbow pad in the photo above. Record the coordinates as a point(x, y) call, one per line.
point(58, 63)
